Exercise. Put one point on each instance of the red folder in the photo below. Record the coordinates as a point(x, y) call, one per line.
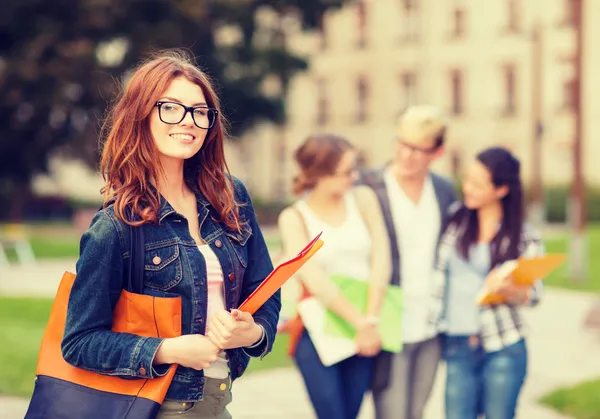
point(280, 274)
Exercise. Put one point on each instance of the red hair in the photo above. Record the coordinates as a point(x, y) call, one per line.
point(130, 158)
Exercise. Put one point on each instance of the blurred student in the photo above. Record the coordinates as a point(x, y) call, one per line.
point(355, 246)
point(484, 346)
point(415, 204)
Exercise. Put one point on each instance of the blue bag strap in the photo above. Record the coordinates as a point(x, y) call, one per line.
point(135, 269)
point(135, 277)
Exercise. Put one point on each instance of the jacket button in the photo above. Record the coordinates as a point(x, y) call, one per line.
point(142, 371)
point(231, 276)
point(156, 260)
point(218, 243)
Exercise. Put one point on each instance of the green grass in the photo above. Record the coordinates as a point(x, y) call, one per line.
point(22, 324)
point(278, 358)
point(561, 278)
point(274, 244)
point(49, 248)
point(580, 402)
point(48, 241)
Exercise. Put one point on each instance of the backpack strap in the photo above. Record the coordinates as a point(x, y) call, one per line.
point(374, 179)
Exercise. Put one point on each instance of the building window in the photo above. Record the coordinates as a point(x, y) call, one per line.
point(408, 94)
point(408, 24)
point(513, 9)
point(457, 94)
point(458, 23)
point(361, 10)
point(322, 103)
point(509, 75)
point(362, 90)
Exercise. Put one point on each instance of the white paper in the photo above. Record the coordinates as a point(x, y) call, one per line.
point(500, 274)
point(331, 349)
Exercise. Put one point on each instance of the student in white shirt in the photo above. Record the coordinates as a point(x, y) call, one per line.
point(415, 203)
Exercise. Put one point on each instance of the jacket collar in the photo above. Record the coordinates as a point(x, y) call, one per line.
point(166, 209)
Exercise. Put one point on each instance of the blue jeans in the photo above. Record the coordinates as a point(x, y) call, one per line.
point(336, 392)
point(483, 382)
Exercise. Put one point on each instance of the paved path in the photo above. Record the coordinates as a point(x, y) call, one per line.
point(40, 279)
point(561, 354)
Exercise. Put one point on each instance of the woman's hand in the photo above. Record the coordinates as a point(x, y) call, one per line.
point(368, 340)
point(192, 351)
point(233, 330)
point(513, 293)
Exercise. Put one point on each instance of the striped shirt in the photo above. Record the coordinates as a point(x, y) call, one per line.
point(501, 325)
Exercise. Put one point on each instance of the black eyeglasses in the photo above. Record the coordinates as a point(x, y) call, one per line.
point(173, 113)
point(420, 150)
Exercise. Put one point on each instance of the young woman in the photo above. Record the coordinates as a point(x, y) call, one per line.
point(163, 160)
point(356, 245)
point(484, 346)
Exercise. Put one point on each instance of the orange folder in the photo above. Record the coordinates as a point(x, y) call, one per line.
point(280, 274)
point(525, 272)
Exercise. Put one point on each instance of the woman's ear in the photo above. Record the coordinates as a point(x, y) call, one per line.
point(502, 191)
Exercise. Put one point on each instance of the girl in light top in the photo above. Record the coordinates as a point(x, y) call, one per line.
point(485, 346)
point(356, 245)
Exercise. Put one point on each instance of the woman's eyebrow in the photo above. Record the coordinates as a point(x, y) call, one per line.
point(179, 101)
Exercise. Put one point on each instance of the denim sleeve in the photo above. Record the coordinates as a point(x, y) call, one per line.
point(259, 267)
point(88, 341)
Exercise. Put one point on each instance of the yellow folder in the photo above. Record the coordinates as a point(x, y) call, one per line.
point(525, 272)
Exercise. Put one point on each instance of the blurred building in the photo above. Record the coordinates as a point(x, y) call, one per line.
point(373, 58)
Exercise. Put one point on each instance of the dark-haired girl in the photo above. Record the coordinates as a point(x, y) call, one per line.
point(484, 345)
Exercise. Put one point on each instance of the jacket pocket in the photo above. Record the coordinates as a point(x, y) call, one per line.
point(238, 241)
point(162, 268)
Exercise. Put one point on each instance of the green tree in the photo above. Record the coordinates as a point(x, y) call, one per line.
point(56, 76)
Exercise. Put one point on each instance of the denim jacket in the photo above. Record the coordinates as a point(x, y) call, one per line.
point(105, 248)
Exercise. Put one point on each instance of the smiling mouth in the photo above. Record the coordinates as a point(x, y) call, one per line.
point(183, 137)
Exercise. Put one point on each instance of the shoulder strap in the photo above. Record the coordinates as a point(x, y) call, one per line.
point(302, 220)
point(135, 268)
point(305, 292)
point(446, 197)
point(135, 277)
point(376, 182)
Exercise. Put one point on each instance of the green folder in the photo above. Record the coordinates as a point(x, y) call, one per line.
point(390, 315)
